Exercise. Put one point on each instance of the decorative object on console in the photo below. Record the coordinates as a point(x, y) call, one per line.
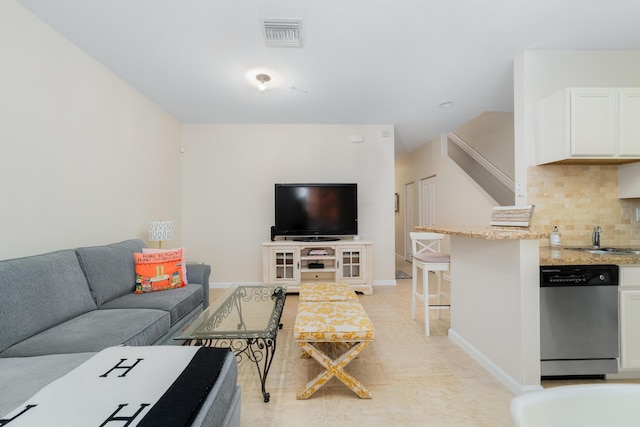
point(318, 252)
point(159, 231)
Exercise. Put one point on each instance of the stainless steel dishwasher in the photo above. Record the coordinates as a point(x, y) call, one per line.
point(578, 320)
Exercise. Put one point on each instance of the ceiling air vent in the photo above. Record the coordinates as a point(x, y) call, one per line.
point(282, 32)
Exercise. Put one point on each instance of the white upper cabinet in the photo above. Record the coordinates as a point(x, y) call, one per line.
point(588, 125)
point(629, 133)
point(592, 128)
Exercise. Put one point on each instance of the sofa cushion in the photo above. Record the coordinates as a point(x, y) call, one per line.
point(178, 302)
point(39, 292)
point(94, 331)
point(110, 269)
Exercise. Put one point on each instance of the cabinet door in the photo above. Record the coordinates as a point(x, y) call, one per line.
point(594, 124)
point(351, 264)
point(285, 265)
point(630, 329)
point(629, 132)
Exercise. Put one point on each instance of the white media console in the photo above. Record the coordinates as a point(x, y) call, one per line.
point(291, 262)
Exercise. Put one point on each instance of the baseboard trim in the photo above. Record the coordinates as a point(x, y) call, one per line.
point(507, 380)
point(624, 375)
point(401, 258)
point(384, 283)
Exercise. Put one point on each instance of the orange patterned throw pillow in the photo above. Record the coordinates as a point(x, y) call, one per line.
point(156, 251)
point(158, 271)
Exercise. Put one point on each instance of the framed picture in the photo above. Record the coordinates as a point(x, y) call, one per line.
point(397, 202)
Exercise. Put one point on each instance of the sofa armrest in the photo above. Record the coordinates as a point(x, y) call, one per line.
point(199, 273)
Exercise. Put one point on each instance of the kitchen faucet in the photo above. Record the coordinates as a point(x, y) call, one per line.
point(595, 237)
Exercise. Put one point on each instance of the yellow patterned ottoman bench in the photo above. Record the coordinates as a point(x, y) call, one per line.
point(333, 322)
point(326, 292)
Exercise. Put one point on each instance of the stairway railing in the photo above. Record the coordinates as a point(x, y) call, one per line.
point(492, 180)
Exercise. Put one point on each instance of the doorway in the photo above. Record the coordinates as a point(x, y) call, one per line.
point(428, 201)
point(409, 217)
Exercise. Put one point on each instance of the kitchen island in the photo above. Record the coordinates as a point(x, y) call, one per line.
point(495, 301)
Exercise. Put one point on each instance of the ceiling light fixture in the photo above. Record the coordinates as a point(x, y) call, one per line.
point(263, 79)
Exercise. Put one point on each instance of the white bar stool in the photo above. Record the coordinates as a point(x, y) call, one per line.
point(427, 256)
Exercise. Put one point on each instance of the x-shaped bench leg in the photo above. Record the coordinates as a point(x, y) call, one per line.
point(334, 368)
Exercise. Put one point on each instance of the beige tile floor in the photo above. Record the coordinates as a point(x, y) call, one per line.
point(415, 380)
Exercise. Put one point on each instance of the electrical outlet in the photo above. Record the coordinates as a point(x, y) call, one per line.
point(637, 214)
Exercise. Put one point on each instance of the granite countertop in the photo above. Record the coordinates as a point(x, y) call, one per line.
point(487, 233)
point(548, 255)
point(564, 256)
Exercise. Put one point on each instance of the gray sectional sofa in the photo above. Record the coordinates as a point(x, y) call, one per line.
point(59, 309)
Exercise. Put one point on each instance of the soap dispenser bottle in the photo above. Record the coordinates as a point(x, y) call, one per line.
point(554, 237)
point(595, 237)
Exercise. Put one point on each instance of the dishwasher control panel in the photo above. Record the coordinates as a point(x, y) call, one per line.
point(580, 275)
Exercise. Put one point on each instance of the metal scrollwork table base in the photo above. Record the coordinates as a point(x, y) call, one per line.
point(246, 319)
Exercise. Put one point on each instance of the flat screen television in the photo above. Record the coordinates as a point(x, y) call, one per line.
point(316, 211)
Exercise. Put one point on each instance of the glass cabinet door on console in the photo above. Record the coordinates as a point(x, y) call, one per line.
point(351, 264)
point(285, 265)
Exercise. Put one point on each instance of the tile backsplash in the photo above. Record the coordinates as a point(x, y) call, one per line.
point(577, 197)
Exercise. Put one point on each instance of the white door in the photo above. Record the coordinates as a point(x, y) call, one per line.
point(409, 217)
point(428, 201)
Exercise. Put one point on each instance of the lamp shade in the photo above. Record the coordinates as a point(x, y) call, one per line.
point(160, 230)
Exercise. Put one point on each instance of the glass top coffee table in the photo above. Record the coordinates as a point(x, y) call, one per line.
point(245, 319)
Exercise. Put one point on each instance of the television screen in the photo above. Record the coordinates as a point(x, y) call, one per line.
point(316, 209)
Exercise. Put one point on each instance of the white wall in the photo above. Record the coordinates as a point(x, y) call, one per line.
point(491, 135)
point(229, 172)
point(85, 158)
point(88, 160)
point(460, 201)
